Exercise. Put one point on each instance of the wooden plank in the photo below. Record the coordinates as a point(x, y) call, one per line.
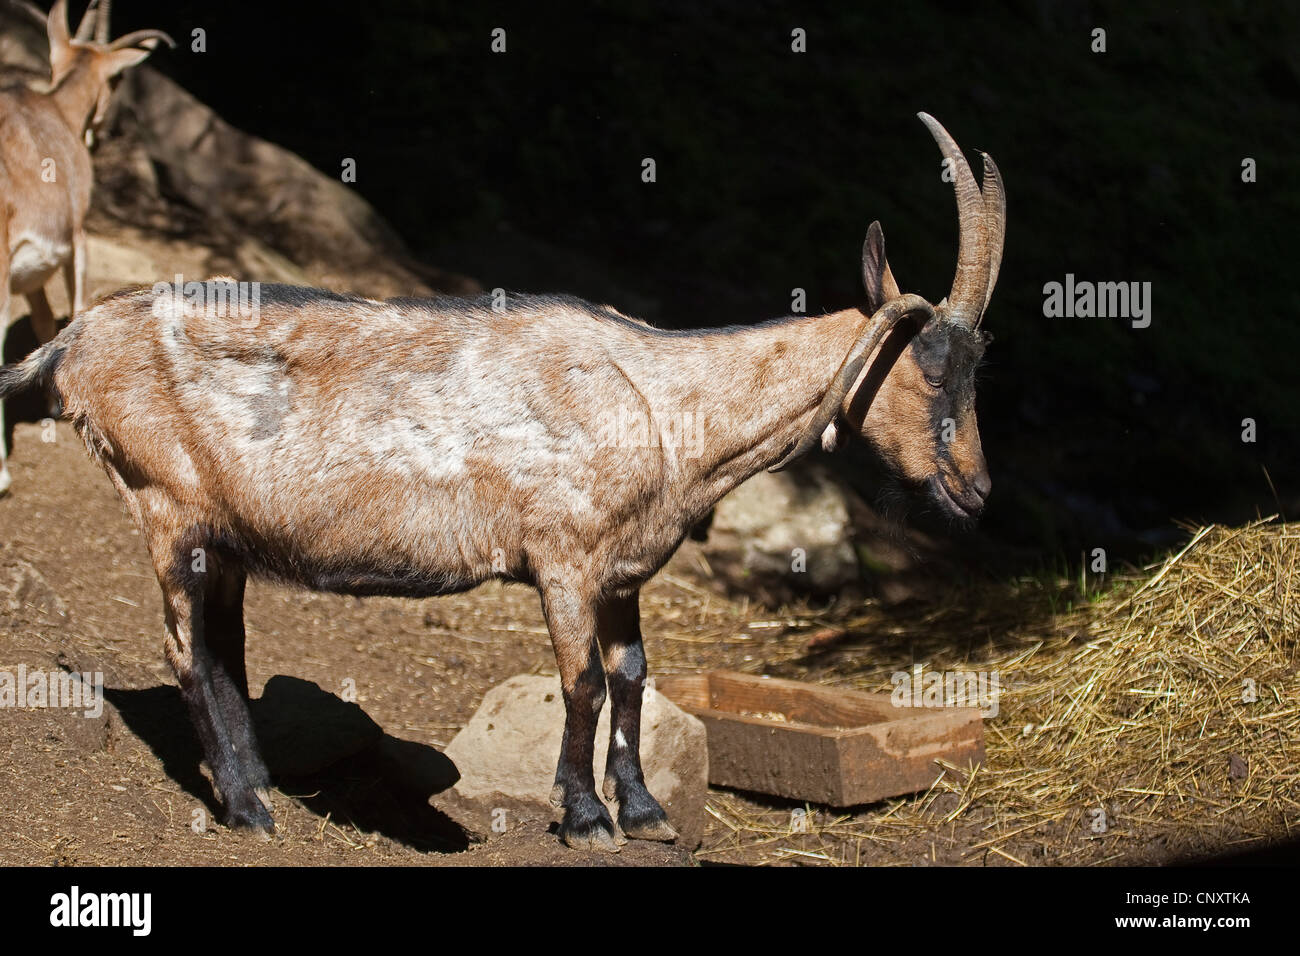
point(829, 707)
point(785, 760)
point(822, 744)
point(897, 757)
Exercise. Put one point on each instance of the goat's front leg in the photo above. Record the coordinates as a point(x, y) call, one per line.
point(188, 653)
point(74, 274)
point(571, 618)
point(618, 627)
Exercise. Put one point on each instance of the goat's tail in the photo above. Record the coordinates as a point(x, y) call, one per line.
point(36, 371)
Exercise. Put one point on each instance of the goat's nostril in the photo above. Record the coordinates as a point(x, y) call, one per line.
point(982, 484)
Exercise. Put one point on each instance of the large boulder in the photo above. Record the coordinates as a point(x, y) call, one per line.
point(507, 753)
point(778, 537)
point(271, 214)
point(256, 188)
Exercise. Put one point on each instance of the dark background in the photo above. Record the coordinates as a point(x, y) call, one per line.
point(523, 171)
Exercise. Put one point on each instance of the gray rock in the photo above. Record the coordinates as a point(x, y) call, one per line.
point(25, 594)
point(511, 745)
point(241, 182)
point(784, 535)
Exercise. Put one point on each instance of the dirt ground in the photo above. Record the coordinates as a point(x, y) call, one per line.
point(130, 789)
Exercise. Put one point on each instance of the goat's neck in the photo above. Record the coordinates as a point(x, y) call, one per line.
point(76, 95)
point(757, 390)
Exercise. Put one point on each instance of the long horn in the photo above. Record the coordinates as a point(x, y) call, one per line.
point(86, 28)
point(970, 284)
point(995, 216)
point(140, 37)
point(886, 317)
point(101, 25)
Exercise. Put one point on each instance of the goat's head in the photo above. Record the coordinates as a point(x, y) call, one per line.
point(915, 404)
point(90, 46)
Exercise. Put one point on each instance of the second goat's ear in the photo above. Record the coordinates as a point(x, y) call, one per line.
point(876, 276)
point(119, 60)
point(56, 28)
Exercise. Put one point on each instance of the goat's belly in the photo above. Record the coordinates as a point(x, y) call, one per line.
point(33, 260)
point(367, 547)
point(361, 581)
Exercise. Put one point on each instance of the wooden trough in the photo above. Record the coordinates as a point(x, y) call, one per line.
point(821, 744)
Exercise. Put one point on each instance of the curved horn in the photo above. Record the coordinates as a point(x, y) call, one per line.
point(970, 283)
point(886, 317)
point(86, 28)
point(140, 37)
point(995, 217)
point(101, 25)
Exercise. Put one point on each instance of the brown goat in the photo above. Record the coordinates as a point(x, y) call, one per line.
point(419, 447)
point(45, 170)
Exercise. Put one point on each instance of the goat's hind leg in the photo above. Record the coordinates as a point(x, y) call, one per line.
point(223, 618)
point(188, 653)
point(5, 301)
point(45, 328)
point(42, 316)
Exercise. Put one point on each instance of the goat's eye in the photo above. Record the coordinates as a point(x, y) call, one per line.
point(934, 381)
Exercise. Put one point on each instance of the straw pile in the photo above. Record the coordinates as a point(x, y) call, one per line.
point(1155, 721)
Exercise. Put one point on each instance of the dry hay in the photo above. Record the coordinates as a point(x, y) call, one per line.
point(1135, 703)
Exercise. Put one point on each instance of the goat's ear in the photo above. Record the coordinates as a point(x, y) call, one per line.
point(119, 60)
point(56, 28)
point(876, 275)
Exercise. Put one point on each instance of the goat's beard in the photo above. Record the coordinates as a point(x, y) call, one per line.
point(894, 500)
point(897, 500)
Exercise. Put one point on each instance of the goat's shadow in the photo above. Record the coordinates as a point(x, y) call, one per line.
point(322, 752)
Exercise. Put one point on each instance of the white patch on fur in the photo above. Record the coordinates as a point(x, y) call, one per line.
point(185, 469)
point(168, 307)
point(619, 739)
point(526, 432)
point(831, 437)
point(33, 260)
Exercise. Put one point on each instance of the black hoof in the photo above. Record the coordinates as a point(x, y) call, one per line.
point(658, 829)
point(639, 814)
point(646, 820)
point(250, 814)
point(587, 826)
